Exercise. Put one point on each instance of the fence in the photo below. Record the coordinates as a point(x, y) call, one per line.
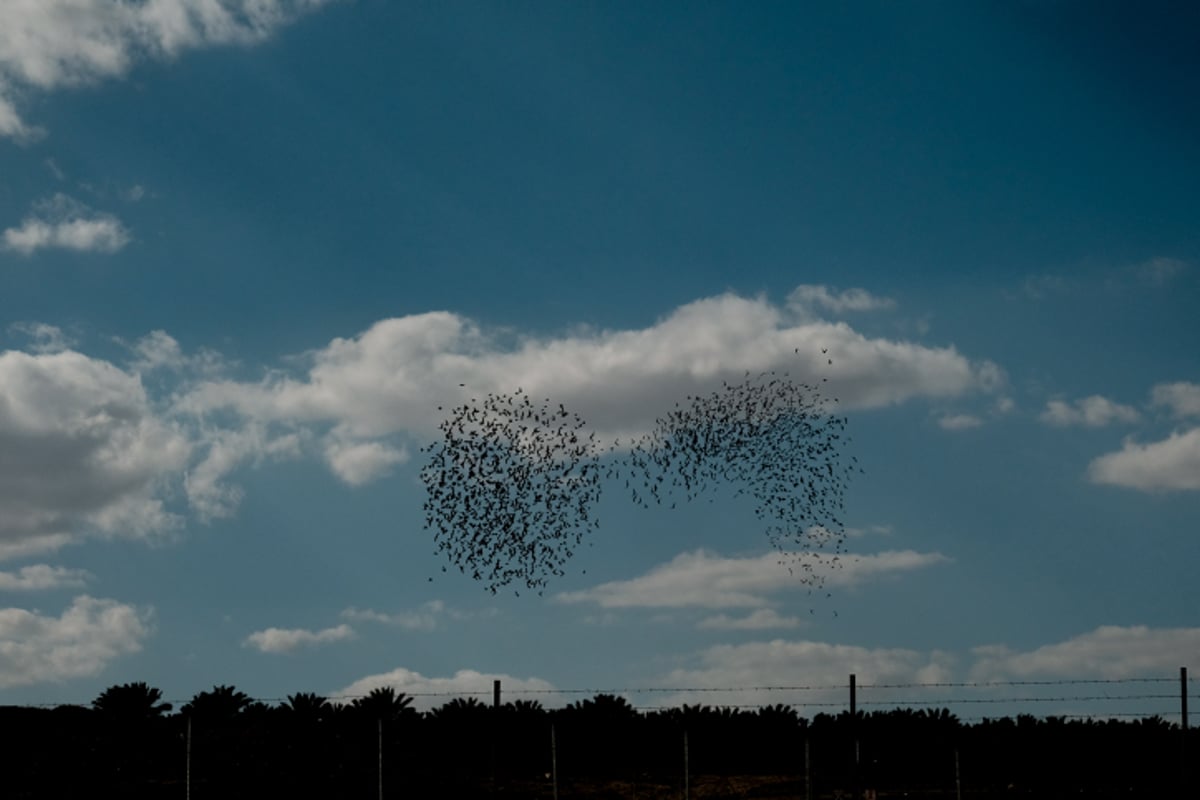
point(969, 739)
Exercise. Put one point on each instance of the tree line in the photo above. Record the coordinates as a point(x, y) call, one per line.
point(224, 744)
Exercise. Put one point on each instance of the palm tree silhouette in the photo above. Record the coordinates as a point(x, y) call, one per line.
point(307, 707)
point(385, 704)
point(131, 701)
point(221, 704)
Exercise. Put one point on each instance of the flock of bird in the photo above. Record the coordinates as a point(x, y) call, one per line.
point(510, 488)
point(511, 484)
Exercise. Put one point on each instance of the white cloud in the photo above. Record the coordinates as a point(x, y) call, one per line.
point(88, 447)
point(358, 463)
point(758, 620)
point(1182, 398)
point(432, 692)
point(393, 377)
point(825, 667)
point(285, 640)
point(1172, 464)
point(37, 577)
point(91, 633)
point(700, 579)
point(959, 422)
point(45, 338)
point(208, 492)
point(49, 44)
point(806, 297)
point(870, 530)
point(1093, 412)
point(81, 451)
point(64, 223)
point(427, 617)
point(1109, 652)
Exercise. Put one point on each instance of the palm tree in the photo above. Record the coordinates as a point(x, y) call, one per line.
point(385, 704)
point(221, 704)
point(133, 726)
point(131, 701)
point(307, 706)
point(605, 708)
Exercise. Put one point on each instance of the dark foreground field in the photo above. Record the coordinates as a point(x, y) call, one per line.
point(228, 748)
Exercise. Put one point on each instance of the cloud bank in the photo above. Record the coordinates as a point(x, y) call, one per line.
point(392, 378)
point(50, 44)
point(1091, 412)
point(66, 224)
point(89, 635)
point(82, 451)
point(91, 447)
point(701, 579)
point(430, 692)
point(1109, 652)
point(286, 640)
point(42, 577)
point(1172, 464)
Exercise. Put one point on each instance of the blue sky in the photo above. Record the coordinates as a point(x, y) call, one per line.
point(248, 248)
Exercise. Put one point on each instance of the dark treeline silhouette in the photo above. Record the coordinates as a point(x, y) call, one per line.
point(129, 744)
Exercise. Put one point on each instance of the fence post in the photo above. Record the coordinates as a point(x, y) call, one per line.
point(686, 787)
point(807, 770)
point(1183, 729)
point(553, 761)
point(854, 734)
point(957, 777)
point(494, 732)
point(187, 792)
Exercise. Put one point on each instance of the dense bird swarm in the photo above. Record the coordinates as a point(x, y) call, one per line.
point(510, 488)
point(511, 484)
point(767, 437)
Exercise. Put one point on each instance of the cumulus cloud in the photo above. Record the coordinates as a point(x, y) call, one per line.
point(1109, 652)
point(1093, 412)
point(358, 463)
point(427, 617)
point(81, 451)
point(393, 377)
point(90, 634)
point(1172, 464)
point(286, 640)
point(959, 422)
point(808, 297)
point(38, 577)
point(64, 223)
point(50, 44)
point(758, 620)
point(205, 483)
point(44, 338)
point(701, 579)
point(158, 350)
point(430, 692)
point(1183, 399)
point(735, 669)
point(88, 446)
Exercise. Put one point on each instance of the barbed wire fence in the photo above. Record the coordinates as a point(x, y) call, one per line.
point(1136, 697)
point(1164, 699)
